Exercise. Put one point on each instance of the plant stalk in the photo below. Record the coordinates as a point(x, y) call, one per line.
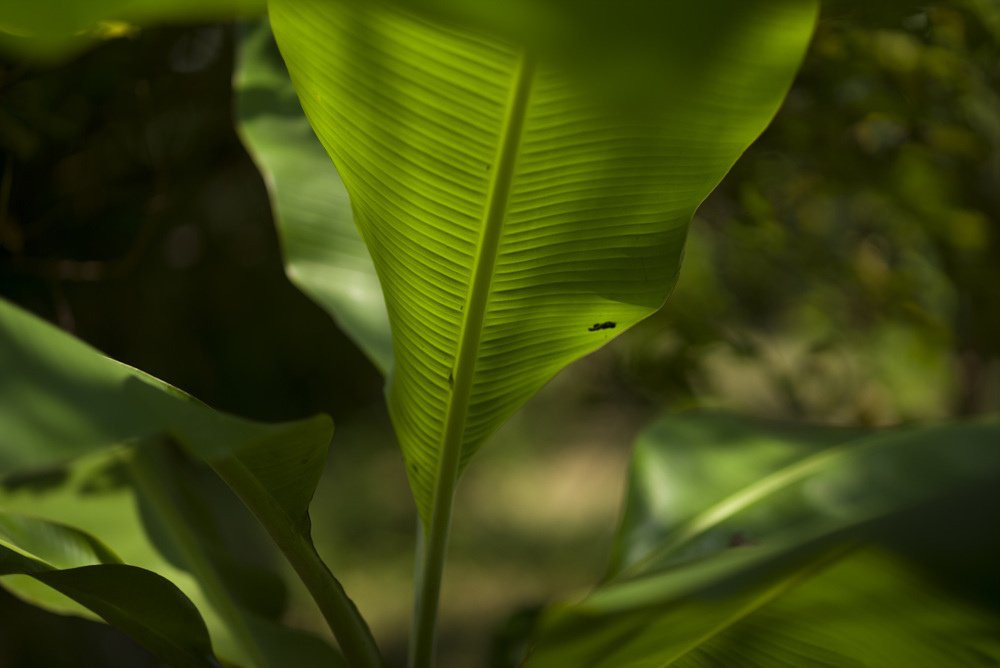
point(431, 548)
point(431, 551)
point(341, 615)
point(145, 466)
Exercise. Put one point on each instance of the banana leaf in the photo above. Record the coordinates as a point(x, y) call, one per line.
point(145, 605)
point(761, 544)
point(524, 177)
point(88, 441)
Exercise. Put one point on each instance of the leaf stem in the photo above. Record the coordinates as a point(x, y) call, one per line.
point(432, 543)
point(341, 615)
point(146, 466)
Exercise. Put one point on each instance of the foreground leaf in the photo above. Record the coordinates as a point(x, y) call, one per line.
point(128, 499)
point(520, 209)
point(865, 609)
point(159, 511)
point(61, 400)
point(139, 602)
point(324, 254)
point(756, 562)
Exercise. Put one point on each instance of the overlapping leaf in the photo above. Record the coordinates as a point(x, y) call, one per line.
point(64, 408)
point(685, 470)
point(148, 607)
point(161, 512)
point(525, 200)
point(755, 561)
point(324, 254)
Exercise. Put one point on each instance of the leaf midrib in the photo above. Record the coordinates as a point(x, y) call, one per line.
point(433, 542)
point(754, 605)
point(738, 501)
point(474, 311)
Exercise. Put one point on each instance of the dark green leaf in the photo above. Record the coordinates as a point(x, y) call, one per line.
point(143, 604)
point(52, 29)
point(63, 408)
point(738, 547)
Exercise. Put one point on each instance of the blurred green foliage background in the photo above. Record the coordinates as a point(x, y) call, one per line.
point(846, 272)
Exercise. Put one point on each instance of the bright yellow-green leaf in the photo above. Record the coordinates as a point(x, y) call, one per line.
point(525, 199)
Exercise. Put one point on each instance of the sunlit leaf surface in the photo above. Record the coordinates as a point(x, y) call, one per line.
point(525, 199)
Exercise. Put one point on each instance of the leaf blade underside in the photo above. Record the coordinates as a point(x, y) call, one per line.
point(504, 226)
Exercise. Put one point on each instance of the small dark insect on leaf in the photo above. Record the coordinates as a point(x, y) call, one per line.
point(601, 325)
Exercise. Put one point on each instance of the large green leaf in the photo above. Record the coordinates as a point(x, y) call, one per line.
point(60, 401)
point(324, 253)
point(148, 607)
point(96, 494)
point(157, 510)
point(866, 609)
point(525, 200)
point(56, 28)
point(739, 547)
